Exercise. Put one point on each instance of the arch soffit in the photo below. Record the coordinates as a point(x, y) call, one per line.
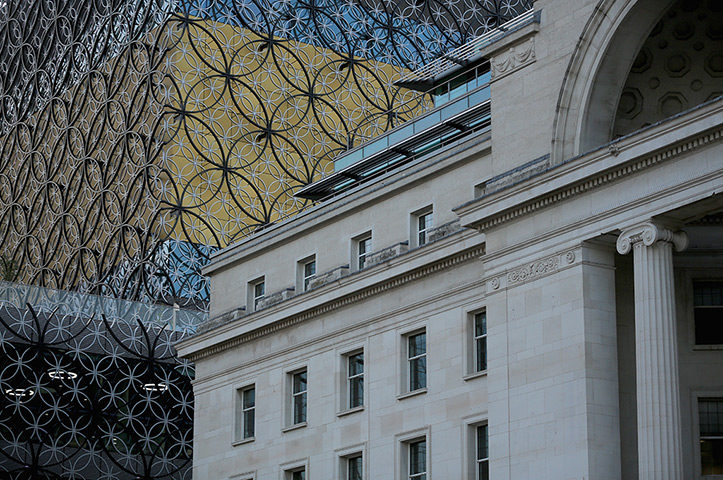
point(597, 72)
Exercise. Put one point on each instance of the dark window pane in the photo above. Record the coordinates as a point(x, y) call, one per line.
point(300, 408)
point(299, 382)
point(417, 457)
point(481, 354)
point(417, 345)
point(482, 447)
point(710, 414)
point(711, 456)
point(356, 392)
point(480, 324)
point(483, 471)
point(708, 326)
point(249, 423)
point(250, 398)
point(418, 373)
point(708, 294)
point(356, 364)
point(355, 468)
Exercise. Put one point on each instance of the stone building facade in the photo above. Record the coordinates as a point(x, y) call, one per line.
point(538, 299)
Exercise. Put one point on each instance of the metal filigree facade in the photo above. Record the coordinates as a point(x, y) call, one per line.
point(137, 137)
point(98, 393)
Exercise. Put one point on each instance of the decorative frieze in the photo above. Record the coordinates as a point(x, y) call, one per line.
point(513, 59)
point(533, 270)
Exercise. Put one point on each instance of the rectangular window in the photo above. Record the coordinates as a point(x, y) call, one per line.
point(417, 360)
point(298, 397)
point(708, 313)
point(480, 341)
point(256, 290)
point(248, 412)
point(424, 224)
point(482, 466)
point(418, 460)
point(354, 468)
point(259, 293)
point(355, 379)
point(364, 248)
point(308, 273)
point(710, 417)
point(299, 474)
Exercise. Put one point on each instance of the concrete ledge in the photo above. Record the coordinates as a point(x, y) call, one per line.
point(442, 231)
point(221, 319)
point(387, 254)
point(276, 297)
point(327, 277)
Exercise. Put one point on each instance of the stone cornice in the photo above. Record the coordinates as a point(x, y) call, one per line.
point(453, 260)
point(594, 170)
point(648, 233)
point(600, 180)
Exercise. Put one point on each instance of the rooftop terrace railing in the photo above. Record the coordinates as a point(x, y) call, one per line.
point(451, 120)
point(454, 102)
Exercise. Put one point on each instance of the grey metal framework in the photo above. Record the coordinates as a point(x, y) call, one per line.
point(138, 137)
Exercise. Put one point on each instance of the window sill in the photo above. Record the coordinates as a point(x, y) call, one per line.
point(703, 348)
point(349, 411)
point(241, 442)
point(293, 427)
point(412, 394)
point(474, 375)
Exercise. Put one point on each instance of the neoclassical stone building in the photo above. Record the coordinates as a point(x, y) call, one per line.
point(527, 285)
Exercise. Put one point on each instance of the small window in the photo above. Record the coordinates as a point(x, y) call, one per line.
point(364, 248)
point(308, 272)
point(480, 341)
point(256, 292)
point(417, 361)
point(259, 293)
point(417, 460)
point(482, 466)
point(355, 380)
point(354, 467)
point(708, 313)
point(710, 417)
point(424, 225)
point(298, 397)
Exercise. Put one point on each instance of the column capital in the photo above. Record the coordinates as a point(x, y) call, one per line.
point(648, 233)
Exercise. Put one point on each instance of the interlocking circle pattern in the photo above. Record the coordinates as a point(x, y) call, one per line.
point(90, 398)
point(138, 137)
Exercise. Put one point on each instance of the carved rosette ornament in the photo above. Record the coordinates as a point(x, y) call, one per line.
point(648, 233)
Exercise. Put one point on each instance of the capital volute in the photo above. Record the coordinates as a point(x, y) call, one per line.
point(648, 233)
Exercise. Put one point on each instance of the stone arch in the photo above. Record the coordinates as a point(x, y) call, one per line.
point(597, 72)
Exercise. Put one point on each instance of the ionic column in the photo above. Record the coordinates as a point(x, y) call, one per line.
point(656, 351)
